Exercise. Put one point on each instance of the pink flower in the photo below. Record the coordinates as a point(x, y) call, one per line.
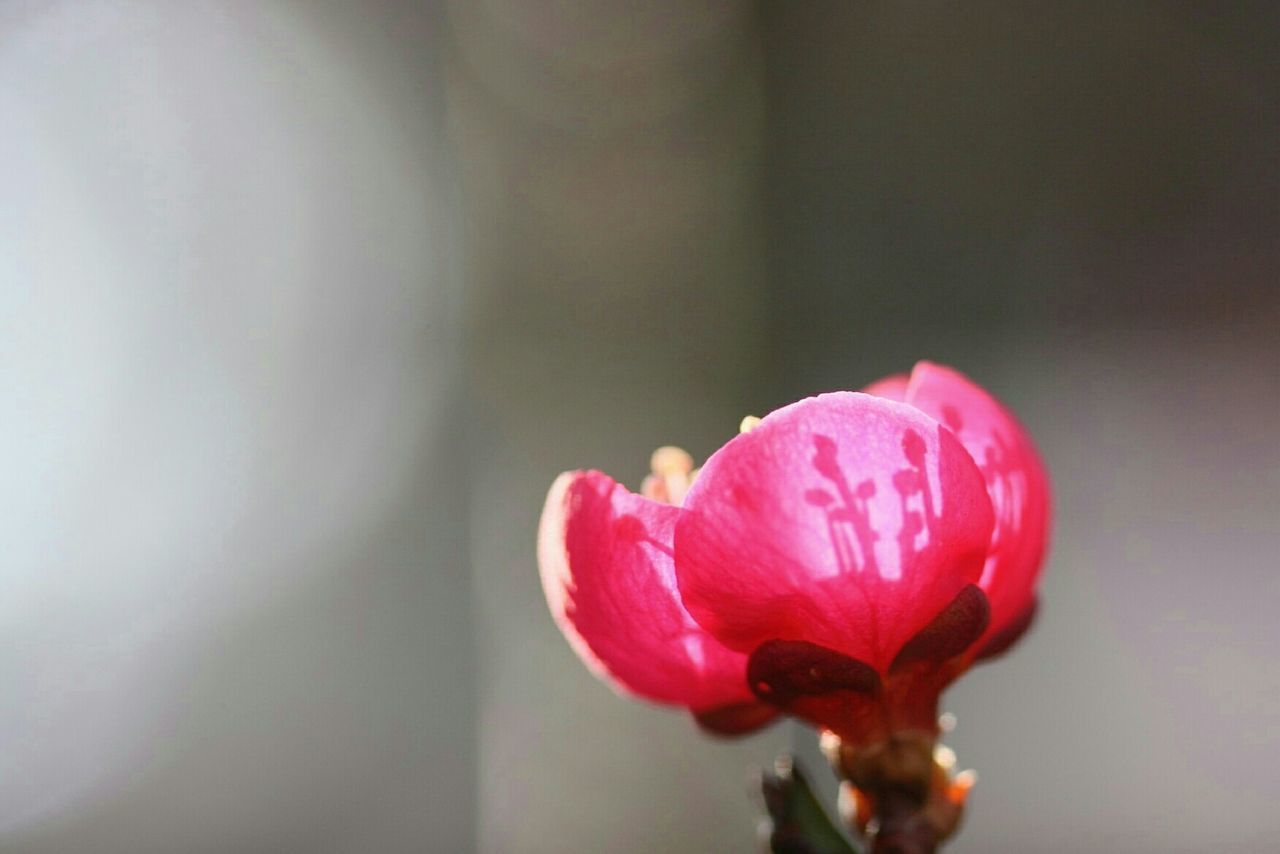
point(841, 561)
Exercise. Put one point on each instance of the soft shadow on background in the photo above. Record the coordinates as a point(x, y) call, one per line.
point(304, 305)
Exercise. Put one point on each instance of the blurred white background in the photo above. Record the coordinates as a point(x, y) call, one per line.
point(229, 354)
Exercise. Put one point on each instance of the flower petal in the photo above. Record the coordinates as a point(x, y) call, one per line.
point(605, 559)
point(1015, 475)
point(893, 387)
point(846, 520)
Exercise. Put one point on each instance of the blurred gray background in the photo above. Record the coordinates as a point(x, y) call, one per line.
point(304, 305)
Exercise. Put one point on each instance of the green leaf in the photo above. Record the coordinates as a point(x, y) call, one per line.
point(799, 824)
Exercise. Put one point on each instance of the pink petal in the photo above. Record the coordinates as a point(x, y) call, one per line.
point(893, 387)
point(1015, 475)
point(845, 520)
point(605, 558)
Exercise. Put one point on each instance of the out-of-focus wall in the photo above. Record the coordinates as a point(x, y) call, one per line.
point(611, 161)
point(233, 591)
point(1080, 206)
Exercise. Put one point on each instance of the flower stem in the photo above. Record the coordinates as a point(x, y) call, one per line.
point(902, 826)
point(895, 793)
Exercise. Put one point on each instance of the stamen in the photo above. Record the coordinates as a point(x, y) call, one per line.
point(748, 424)
point(669, 460)
point(673, 474)
point(654, 489)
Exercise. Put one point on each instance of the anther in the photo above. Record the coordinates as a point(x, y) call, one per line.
point(673, 474)
point(669, 460)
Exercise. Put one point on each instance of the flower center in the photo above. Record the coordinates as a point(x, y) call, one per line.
point(672, 471)
point(672, 475)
